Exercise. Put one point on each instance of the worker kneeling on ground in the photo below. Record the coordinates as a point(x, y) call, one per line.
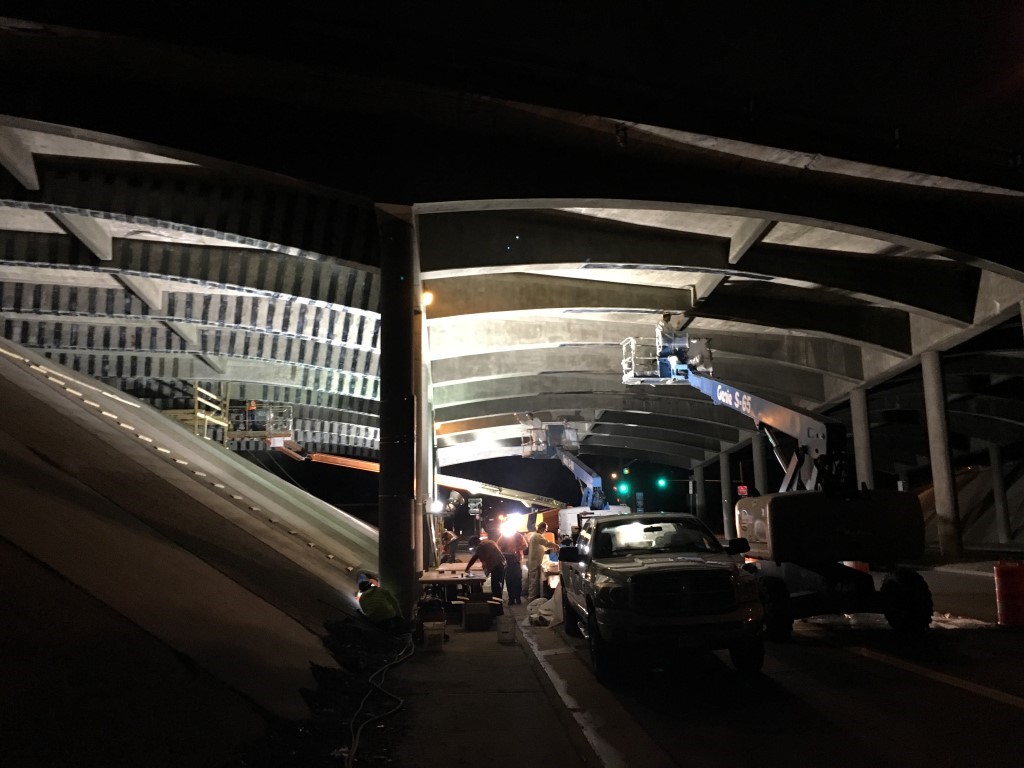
point(381, 607)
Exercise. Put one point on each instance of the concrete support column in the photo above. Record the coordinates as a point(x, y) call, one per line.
point(728, 512)
point(396, 495)
point(995, 460)
point(862, 438)
point(424, 447)
point(700, 496)
point(757, 446)
point(946, 513)
point(423, 542)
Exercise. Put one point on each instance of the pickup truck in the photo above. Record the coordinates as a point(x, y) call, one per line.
point(659, 582)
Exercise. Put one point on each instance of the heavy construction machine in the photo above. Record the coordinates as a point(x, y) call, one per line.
point(808, 539)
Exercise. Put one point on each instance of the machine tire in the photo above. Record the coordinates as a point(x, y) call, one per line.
point(572, 620)
point(907, 601)
point(748, 656)
point(778, 615)
point(604, 660)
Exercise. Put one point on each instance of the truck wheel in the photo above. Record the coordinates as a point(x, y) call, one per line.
point(778, 616)
point(906, 601)
point(748, 657)
point(572, 621)
point(603, 658)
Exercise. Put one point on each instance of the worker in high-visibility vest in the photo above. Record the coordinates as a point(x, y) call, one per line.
point(251, 415)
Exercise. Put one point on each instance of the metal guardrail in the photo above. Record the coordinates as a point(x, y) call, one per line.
point(639, 358)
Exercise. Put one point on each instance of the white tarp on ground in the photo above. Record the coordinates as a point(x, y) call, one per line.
point(546, 613)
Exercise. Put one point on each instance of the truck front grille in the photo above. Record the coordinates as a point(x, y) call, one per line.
point(682, 593)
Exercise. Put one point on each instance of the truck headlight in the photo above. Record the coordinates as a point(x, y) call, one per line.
point(612, 596)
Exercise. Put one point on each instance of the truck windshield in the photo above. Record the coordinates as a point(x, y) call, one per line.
point(630, 537)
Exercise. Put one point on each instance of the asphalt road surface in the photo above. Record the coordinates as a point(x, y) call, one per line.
point(845, 691)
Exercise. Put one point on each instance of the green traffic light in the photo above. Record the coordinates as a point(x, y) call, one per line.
point(623, 488)
point(662, 482)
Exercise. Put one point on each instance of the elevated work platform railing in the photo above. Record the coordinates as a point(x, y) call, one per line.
point(207, 416)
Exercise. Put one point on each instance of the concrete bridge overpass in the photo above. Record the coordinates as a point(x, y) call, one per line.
point(219, 224)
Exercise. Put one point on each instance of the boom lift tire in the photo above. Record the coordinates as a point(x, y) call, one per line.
point(906, 601)
point(572, 620)
point(778, 616)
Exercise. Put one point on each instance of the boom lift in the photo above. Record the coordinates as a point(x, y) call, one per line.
point(799, 535)
point(557, 441)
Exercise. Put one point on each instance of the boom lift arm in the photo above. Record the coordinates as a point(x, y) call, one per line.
point(557, 441)
point(672, 358)
point(797, 538)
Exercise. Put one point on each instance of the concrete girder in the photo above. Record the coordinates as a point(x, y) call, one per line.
point(507, 238)
point(683, 453)
point(952, 286)
point(577, 417)
point(147, 290)
point(817, 312)
point(961, 392)
point(480, 294)
point(604, 360)
point(16, 157)
point(90, 231)
point(187, 331)
point(485, 434)
point(442, 430)
point(479, 451)
point(315, 405)
point(221, 267)
point(977, 418)
point(765, 375)
point(661, 435)
point(626, 402)
point(170, 366)
point(699, 429)
point(456, 337)
point(248, 207)
point(1008, 405)
point(750, 232)
point(833, 359)
point(334, 331)
point(942, 289)
point(142, 336)
point(447, 395)
point(216, 364)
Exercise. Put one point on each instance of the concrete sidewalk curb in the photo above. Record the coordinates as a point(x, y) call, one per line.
point(610, 731)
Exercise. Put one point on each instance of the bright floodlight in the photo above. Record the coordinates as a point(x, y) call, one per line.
point(511, 525)
point(437, 507)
